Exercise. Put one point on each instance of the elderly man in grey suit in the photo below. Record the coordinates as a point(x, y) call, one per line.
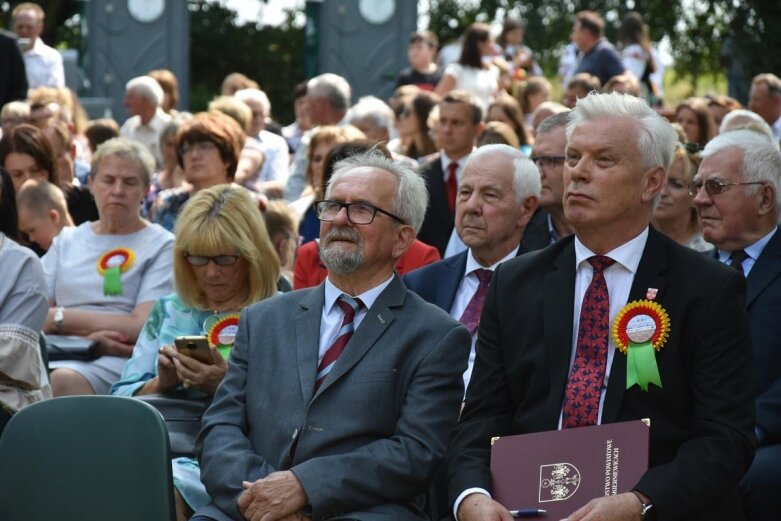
point(339, 400)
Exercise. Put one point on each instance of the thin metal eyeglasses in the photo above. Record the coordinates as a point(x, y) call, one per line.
point(357, 213)
point(219, 260)
point(715, 186)
point(547, 161)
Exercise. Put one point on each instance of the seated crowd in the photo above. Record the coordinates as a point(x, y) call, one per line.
point(459, 256)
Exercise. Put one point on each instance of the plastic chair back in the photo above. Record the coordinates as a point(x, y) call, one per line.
point(86, 458)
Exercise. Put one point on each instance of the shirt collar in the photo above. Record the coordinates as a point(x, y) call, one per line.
point(753, 250)
point(472, 264)
point(628, 254)
point(367, 297)
point(446, 160)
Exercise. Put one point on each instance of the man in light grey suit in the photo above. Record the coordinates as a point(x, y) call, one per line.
point(299, 430)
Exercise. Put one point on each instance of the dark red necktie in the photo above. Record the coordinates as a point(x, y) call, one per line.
point(581, 399)
point(349, 306)
point(471, 316)
point(451, 186)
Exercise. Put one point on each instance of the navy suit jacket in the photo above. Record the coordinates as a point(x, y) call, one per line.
point(763, 304)
point(438, 282)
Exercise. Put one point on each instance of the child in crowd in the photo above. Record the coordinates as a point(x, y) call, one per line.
point(42, 211)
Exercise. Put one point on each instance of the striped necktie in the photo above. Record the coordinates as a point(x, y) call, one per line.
point(350, 307)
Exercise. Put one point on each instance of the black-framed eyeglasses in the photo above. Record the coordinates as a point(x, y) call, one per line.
point(219, 260)
point(201, 146)
point(357, 213)
point(692, 148)
point(715, 186)
point(547, 161)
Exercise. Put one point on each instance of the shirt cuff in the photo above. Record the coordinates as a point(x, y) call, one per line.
point(462, 496)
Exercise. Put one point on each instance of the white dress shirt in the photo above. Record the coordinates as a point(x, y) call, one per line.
point(44, 66)
point(466, 290)
point(619, 278)
point(149, 134)
point(277, 161)
point(331, 319)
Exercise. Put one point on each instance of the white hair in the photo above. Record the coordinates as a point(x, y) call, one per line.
point(331, 87)
point(255, 95)
point(148, 88)
point(373, 109)
point(526, 177)
point(411, 194)
point(657, 138)
point(745, 119)
point(761, 158)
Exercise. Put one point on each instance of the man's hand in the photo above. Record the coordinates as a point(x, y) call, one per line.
point(621, 507)
point(479, 507)
point(112, 343)
point(276, 497)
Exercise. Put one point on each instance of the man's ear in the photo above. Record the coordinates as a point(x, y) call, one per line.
point(54, 216)
point(655, 179)
point(404, 239)
point(767, 199)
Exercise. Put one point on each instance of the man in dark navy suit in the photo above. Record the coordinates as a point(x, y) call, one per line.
point(13, 80)
point(497, 196)
point(737, 199)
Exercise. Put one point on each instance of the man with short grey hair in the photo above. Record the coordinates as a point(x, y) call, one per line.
point(43, 64)
point(549, 224)
point(497, 196)
point(373, 117)
point(326, 103)
point(356, 377)
point(737, 198)
point(765, 99)
point(546, 358)
point(146, 121)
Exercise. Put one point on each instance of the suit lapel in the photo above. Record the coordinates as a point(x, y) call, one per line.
point(308, 327)
point(650, 274)
point(447, 287)
point(377, 319)
point(765, 270)
point(558, 305)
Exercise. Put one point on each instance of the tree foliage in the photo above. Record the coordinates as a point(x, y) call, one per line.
point(694, 28)
point(219, 45)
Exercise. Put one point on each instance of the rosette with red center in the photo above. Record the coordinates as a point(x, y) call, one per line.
point(640, 328)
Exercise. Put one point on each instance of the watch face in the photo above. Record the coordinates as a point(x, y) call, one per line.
point(146, 11)
point(377, 11)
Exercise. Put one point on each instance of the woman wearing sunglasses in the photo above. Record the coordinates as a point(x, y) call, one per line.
point(675, 215)
point(223, 262)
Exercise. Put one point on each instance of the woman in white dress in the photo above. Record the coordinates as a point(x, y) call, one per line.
point(473, 72)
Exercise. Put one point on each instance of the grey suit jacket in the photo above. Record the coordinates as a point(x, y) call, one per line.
point(373, 436)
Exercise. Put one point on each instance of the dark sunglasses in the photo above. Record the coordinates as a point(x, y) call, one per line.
point(219, 260)
point(714, 186)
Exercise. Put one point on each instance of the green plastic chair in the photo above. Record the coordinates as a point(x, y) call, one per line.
point(86, 458)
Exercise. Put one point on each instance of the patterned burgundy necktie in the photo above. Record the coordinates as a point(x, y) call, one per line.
point(349, 306)
point(581, 399)
point(471, 316)
point(451, 186)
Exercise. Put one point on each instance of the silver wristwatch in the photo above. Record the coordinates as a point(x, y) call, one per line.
point(59, 317)
point(645, 508)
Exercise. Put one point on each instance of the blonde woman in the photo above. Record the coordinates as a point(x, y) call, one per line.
point(223, 262)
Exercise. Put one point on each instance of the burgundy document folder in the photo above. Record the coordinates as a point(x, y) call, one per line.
point(560, 471)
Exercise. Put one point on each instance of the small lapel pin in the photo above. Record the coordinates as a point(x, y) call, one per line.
point(651, 293)
point(379, 317)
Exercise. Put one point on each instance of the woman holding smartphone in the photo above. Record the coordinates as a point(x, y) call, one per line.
point(223, 262)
